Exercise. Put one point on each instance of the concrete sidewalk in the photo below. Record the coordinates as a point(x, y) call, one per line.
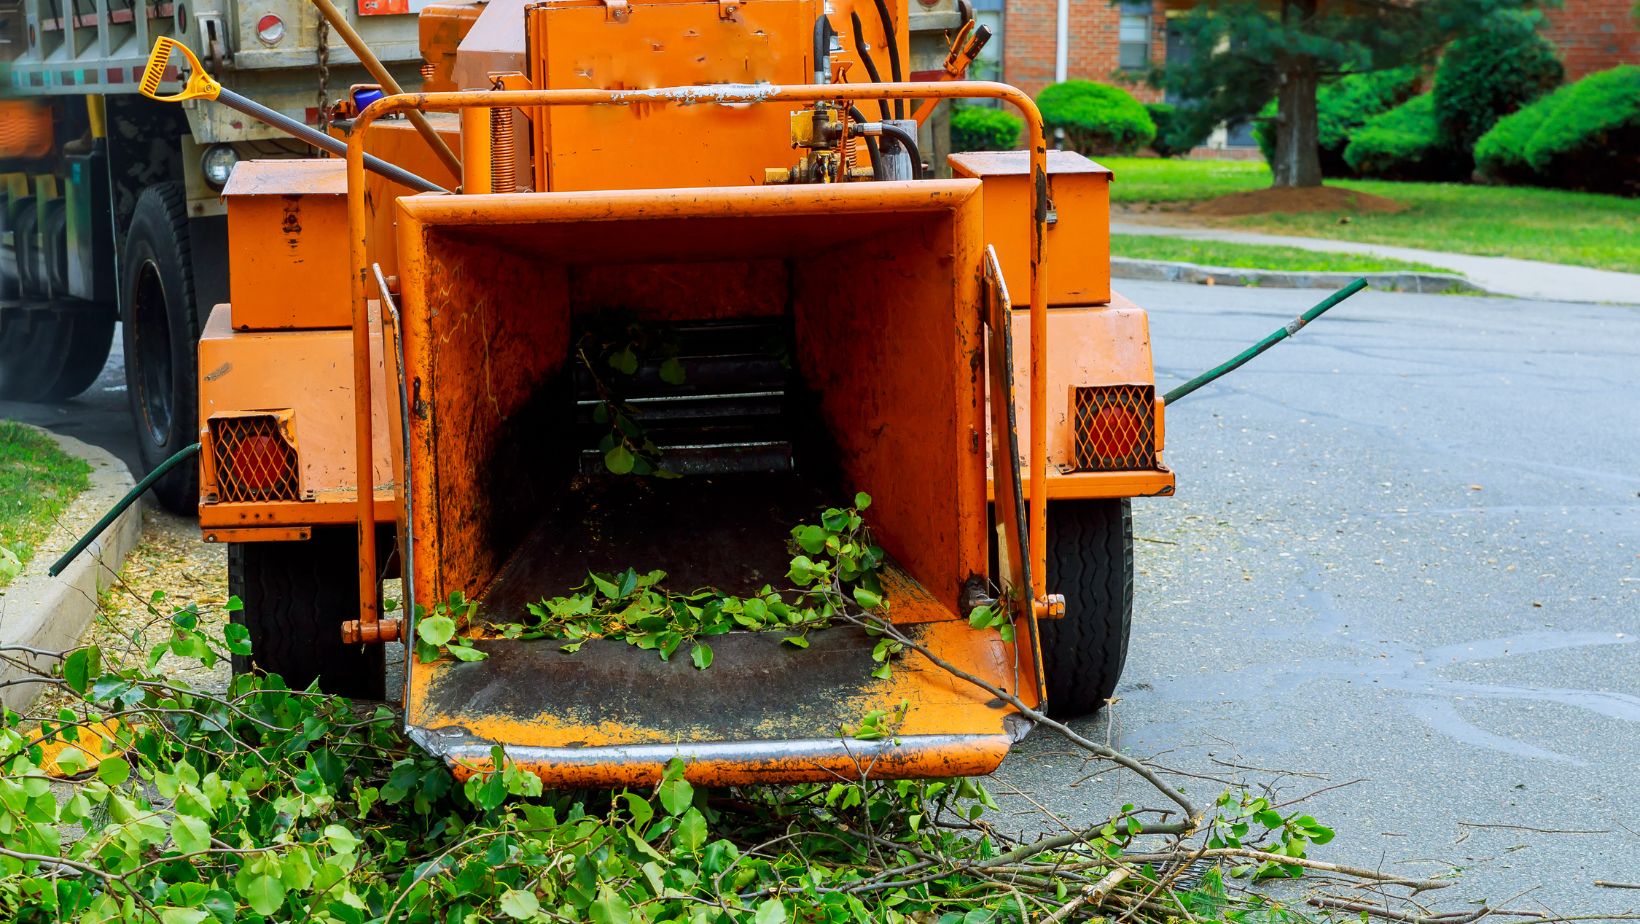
point(1500, 275)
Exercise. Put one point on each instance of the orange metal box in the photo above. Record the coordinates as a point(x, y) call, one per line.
point(287, 245)
point(1077, 268)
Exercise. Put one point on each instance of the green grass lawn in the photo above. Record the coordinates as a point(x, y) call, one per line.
point(37, 482)
point(1584, 229)
point(1257, 256)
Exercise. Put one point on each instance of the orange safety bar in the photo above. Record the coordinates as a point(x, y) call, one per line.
point(369, 629)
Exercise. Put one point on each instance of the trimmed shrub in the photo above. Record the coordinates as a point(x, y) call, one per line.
point(980, 128)
point(1174, 133)
point(1342, 108)
point(1585, 135)
point(1592, 139)
point(1406, 144)
point(1095, 117)
point(1500, 154)
point(1491, 72)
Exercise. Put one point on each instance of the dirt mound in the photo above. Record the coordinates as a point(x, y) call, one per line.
point(1287, 199)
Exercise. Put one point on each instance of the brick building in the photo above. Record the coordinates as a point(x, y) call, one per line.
point(1594, 35)
point(1105, 39)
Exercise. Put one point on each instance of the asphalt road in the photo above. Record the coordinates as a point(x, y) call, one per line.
point(1405, 552)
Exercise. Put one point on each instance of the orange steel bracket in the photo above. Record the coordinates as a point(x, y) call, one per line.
point(369, 628)
point(964, 49)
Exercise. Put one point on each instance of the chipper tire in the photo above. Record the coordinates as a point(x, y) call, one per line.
point(161, 330)
point(1090, 561)
point(296, 596)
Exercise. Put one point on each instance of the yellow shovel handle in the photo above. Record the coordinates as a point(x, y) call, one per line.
point(200, 85)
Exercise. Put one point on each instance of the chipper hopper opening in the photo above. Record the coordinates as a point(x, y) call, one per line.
point(777, 349)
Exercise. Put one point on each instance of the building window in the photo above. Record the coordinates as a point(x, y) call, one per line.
point(1133, 35)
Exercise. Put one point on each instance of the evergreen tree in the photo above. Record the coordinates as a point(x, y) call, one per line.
point(1242, 53)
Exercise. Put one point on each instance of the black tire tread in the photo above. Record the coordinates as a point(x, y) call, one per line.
point(178, 491)
point(1090, 562)
point(295, 596)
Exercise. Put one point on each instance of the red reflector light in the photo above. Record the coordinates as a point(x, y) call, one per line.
point(1114, 432)
point(1114, 427)
point(260, 462)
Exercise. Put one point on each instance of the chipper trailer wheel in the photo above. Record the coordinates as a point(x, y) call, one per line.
point(161, 330)
point(51, 349)
point(1090, 561)
point(296, 596)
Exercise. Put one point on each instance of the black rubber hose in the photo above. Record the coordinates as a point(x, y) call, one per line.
point(909, 142)
point(865, 58)
point(822, 41)
point(893, 53)
point(872, 150)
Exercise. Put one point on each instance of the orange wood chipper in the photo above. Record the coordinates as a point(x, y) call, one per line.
point(392, 389)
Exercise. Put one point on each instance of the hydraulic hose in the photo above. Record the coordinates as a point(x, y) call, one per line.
point(865, 58)
point(894, 67)
point(1280, 334)
point(822, 47)
point(909, 142)
point(872, 150)
point(119, 507)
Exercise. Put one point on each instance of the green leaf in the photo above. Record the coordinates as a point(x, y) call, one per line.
point(625, 361)
point(79, 667)
point(237, 637)
point(183, 915)
point(701, 654)
point(796, 641)
point(192, 835)
point(672, 372)
point(610, 908)
point(639, 808)
point(466, 653)
point(70, 761)
point(676, 796)
point(691, 830)
point(862, 500)
point(619, 459)
point(436, 630)
point(772, 911)
point(519, 905)
point(867, 599)
point(265, 894)
point(341, 839)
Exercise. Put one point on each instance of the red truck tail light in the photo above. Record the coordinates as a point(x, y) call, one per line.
point(1115, 427)
point(255, 459)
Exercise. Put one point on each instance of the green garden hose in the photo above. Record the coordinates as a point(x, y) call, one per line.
point(1280, 334)
point(124, 502)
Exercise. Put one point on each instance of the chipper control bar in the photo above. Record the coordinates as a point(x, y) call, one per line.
point(201, 85)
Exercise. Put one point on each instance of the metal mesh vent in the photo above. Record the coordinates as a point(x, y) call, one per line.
point(1115, 428)
point(253, 460)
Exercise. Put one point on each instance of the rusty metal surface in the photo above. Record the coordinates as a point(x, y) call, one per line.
point(612, 713)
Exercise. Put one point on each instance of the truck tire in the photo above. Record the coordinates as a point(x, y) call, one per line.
point(1090, 561)
point(161, 331)
point(51, 347)
point(84, 331)
point(296, 596)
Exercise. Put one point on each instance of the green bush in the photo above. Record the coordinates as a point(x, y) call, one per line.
point(1174, 133)
point(1500, 154)
point(1585, 136)
point(1592, 140)
point(1406, 144)
point(1342, 108)
point(979, 128)
point(1491, 72)
point(1096, 118)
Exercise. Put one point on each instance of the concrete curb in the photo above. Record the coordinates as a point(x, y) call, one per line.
point(52, 613)
point(1165, 271)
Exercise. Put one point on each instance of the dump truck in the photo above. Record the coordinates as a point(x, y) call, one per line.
point(110, 205)
point(397, 388)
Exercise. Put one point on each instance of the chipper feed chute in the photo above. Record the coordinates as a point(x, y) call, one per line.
point(832, 342)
